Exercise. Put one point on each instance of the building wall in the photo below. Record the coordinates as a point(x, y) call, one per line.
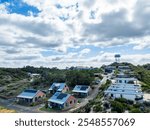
point(24, 101)
point(66, 88)
point(70, 102)
point(126, 96)
point(130, 97)
point(39, 95)
point(81, 95)
point(124, 80)
point(55, 105)
point(117, 95)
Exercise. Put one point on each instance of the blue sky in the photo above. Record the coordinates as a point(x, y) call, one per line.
point(73, 33)
point(19, 7)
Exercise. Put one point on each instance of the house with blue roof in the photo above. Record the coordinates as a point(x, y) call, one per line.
point(62, 101)
point(29, 96)
point(81, 90)
point(58, 87)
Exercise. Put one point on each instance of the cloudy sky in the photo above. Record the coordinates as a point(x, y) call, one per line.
point(73, 32)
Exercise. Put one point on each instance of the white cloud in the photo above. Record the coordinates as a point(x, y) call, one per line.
point(85, 51)
point(3, 8)
point(115, 23)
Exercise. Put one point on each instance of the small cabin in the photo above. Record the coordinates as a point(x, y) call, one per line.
point(81, 90)
point(62, 101)
point(30, 96)
point(58, 87)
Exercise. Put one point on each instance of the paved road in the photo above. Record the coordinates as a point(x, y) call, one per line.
point(20, 109)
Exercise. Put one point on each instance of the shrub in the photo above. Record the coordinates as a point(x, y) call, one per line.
point(106, 105)
point(97, 108)
point(87, 108)
point(121, 100)
point(46, 105)
point(146, 104)
point(117, 107)
point(135, 110)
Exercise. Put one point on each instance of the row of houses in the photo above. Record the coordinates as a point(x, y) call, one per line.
point(110, 69)
point(59, 99)
point(124, 86)
point(63, 100)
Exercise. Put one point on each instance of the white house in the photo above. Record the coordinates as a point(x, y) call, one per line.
point(125, 87)
point(125, 79)
point(124, 68)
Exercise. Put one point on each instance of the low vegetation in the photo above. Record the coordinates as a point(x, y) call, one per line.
point(13, 81)
point(121, 105)
point(5, 110)
point(143, 74)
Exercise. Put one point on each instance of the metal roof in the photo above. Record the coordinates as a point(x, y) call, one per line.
point(81, 89)
point(59, 86)
point(29, 93)
point(127, 93)
point(59, 98)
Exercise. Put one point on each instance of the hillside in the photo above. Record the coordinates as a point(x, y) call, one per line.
point(141, 72)
point(13, 81)
point(143, 75)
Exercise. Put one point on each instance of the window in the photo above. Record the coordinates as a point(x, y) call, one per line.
point(66, 104)
point(39, 97)
point(70, 102)
point(36, 98)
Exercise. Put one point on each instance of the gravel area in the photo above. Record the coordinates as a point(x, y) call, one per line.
point(146, 97)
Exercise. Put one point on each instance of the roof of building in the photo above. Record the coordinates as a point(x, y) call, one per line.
point(124, 92)
point(28, 93)
point(110, 67)
point(125, 85)
point(123, 67)
point(59, 86)
point(81, 89)
point(59, 98)
point(124, 88)
point(128, 89)
point(124, 76)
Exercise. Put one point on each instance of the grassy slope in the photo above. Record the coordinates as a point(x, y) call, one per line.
point(5, 110)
